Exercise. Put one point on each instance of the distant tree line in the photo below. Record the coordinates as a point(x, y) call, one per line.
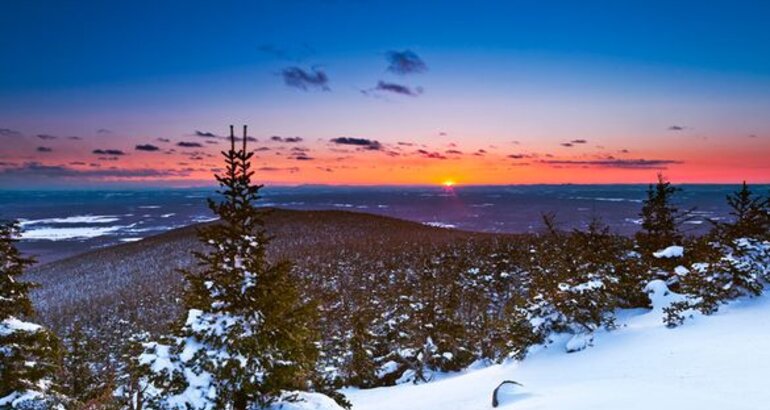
point(256, 333)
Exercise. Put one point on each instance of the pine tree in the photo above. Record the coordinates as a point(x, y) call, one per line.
point(29, 354)
point(660, 219)
point(247, 336)
point(750, 215)
point(79, 380)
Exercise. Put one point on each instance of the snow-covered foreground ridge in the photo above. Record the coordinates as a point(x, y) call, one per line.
point(710, 362)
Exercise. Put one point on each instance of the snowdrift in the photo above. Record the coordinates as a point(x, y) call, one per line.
point(711, 362)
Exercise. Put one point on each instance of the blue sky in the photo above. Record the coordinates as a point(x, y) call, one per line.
point(540, 73)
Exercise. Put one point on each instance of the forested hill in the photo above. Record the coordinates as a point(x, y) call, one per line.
point(137, 286)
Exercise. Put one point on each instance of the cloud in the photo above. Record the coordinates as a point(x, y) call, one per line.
point(278, 169)
point(146, 147)
point(677, 128)
point(74, 138)
point(46, 137)
point(396, 89)
point(405, 62)
point(566, 144)
point(44, 149)
point(108, 152)
point(103, 131)
point(164, 140)
point(616, 163)
point(204, 134)
point(580, 141)
point(36, 169)
point(305, 80)
point(454, 152)
point(7, 132)
point(364, 143)
point(290, 140)
point(519, 156)
point(302, 157)
point(431, 155)
point(186, 144)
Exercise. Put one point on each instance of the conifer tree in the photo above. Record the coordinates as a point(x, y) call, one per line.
point(29, 354)
point(247, 336)
point(79, 380)
point(750, 215)
point(660, 219)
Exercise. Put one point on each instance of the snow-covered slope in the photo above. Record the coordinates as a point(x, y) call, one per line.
point(710, 362)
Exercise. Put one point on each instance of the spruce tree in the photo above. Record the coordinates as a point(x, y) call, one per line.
point(247, 336)
point(660, 219)
point(79, 380)
point(750, 215)
point(29, 354)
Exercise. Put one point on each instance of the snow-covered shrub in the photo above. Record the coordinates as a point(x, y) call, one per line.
point(572, 278)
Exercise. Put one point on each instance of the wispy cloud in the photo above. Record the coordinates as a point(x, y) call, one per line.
point(290, 140)
point(146, 147)
point(108, 152)
point(405, 62)
point(677, 128)
point(616, 163)
point(36, 169)
point(46, 137)
point(187, 144)
point(279, 169)
point(205, 134)
point(7, 132)
point(358, 142)
point(304, 80)
point(395, 88)
point(44, 149)
point(431, 155)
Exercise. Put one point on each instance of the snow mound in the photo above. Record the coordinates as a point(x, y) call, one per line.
point(579, 342)
point(305, 401)
point(670, 252)
point(12, 325)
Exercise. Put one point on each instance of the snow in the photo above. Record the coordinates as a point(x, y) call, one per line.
point(305, 401)
point(674, 251)
point(12, 325)
point(579, 342)
point(682, 271)
point(19, 399)
point(711, 362)
point(77, 219)
point(57, 234)
point(437, 224)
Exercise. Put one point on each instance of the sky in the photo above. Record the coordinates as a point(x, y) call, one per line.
point(385, 92)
